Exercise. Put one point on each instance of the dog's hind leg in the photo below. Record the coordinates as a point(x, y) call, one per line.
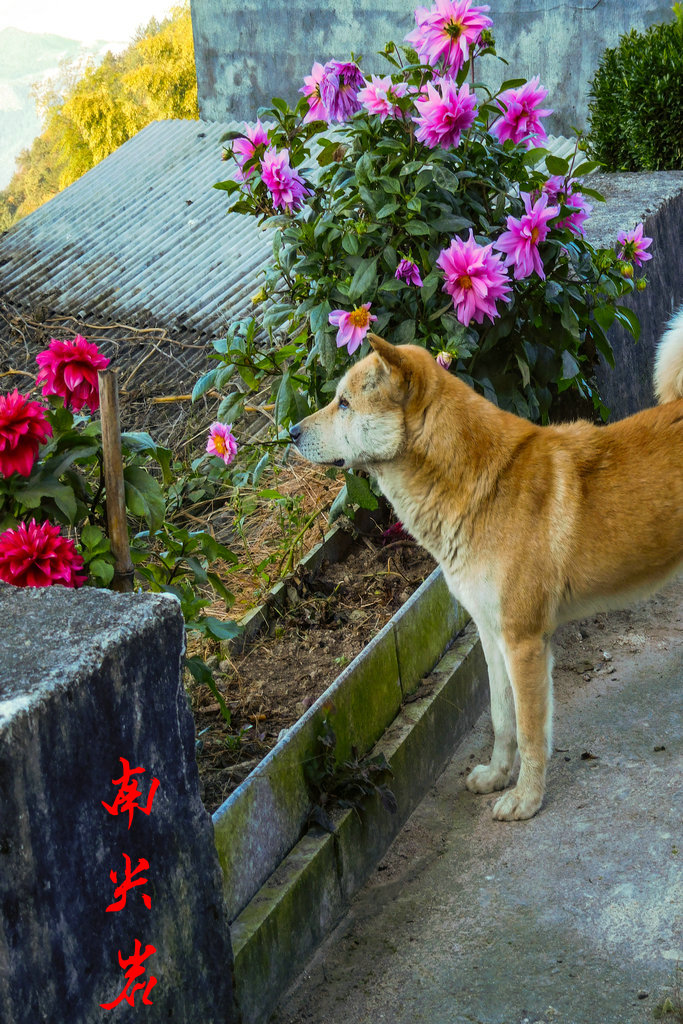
point(485, 778)
point(529, 664)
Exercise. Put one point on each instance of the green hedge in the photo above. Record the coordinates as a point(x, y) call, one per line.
point(636, 108)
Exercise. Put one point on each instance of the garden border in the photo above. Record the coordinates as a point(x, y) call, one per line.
point(410, 694)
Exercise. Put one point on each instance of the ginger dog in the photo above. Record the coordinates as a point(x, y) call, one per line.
point(533, 526)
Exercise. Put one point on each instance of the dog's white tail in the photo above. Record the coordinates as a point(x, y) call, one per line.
point(668, 375)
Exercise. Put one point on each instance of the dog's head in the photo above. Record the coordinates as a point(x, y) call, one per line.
point(374, 411)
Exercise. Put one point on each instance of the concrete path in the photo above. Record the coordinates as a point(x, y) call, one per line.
point(574, 917)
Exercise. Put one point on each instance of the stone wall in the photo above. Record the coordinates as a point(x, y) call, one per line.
point(248, 51)
point(88, 678)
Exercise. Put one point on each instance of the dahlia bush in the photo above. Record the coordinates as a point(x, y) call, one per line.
point(414, 201)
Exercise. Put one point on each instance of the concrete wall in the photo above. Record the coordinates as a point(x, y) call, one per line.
point(87, 678)
point(248, 51)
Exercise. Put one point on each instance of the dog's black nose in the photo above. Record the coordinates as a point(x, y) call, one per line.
point(295, 432)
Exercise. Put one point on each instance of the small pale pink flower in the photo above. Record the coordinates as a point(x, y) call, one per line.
point(474, 278)
point(69, 369)
point(445, 33)
point(521, 240)
point(352, 326)
point(520, 117)
point(633, 245)
point(317, 111)
point(221, 442)
point(444, 359)
point(286, 185)
point(380, 96)
point(23, 428)
point(244, 149)
point(339, 88)
point(37, 555)
point(568, 193)
point(445, 114)
point(409, 272)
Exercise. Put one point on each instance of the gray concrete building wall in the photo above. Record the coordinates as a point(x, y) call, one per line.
point(248, 51)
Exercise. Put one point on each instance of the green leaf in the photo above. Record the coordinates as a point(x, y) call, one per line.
point(320, 316)
point(201, 673)
point(338, 506)
point(231, 408)
point(350, 243)
point(417, 227)
point(204, 384)
point(359, 492)
point(604, 316)
point(628, 319)
point(101, 570)
point(570, 367)
point(556, 165)
point(364, 279)
point(221, 629)
point(144, 497)
point(63, 496)
point(387, 210)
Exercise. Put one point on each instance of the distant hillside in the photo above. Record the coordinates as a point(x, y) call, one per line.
point(89, 108)
point(27, 58)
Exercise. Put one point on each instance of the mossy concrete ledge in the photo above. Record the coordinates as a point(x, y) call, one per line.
point(311, 888)
point(409, 695)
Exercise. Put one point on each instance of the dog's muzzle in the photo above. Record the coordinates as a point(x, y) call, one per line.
point(295, 432)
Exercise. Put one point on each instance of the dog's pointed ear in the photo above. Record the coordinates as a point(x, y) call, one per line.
point(388, 353)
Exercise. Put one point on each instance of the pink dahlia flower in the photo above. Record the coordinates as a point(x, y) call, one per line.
point(633, 245)
point(35, 555)
point(445, 33)
point(244, 149)
point(409, 272)
point(521, 240)
point(221, 442)
point(474, 278)
point(520, 118)
point(380, 95)
point(339, 88)
point(69, 369)
point(445, 115)
point(352, 326)
point(317, 111)
point(23, 428)
point(286, 185)
point(567, 193)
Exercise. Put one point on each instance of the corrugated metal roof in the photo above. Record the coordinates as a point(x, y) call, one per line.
point(142, 237)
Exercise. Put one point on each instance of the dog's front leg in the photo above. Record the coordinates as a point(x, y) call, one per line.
point(529, 666)
point(486, 778)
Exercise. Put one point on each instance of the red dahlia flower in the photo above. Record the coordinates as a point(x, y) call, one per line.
point(69, 369)
point(37, 555)
point(23, 428)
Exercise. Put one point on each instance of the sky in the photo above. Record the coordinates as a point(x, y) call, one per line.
point(84, 20)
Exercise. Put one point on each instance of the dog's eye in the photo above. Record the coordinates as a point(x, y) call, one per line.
point(343, 403)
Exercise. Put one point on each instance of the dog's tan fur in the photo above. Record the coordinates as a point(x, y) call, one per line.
point(533, 526)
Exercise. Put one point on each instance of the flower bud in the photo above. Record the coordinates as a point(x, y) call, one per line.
point(444, 359)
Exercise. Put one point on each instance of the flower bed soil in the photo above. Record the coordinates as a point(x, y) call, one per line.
point(331, 616)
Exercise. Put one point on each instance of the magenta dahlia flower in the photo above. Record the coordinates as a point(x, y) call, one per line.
point(520, 117)
point(380, 96)
point(69, 369)
point(521, 240)
point(474, 278)
point(352, 326)
point(244, 149)
point(23, 428)
point(445, 115)
point(409, 272)
point(286, 185)
point(445, 33)
point(317, 111)
point(568, 194)
point(339, 88)
point(221, 442)
point(633, 245)
point(37, 555)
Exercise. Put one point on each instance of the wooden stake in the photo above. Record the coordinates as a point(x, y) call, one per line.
point(113, 482)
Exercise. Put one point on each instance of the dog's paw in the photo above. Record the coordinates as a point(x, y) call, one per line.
point(517, 805)
point(486, 779)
